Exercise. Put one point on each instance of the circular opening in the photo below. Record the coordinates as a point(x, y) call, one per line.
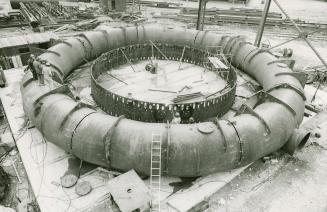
point(129, 190)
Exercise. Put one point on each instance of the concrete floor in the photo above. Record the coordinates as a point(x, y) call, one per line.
point(169, 78)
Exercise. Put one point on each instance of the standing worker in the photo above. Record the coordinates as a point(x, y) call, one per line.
point(176, 119)
point(38, 69)
point(31, 66)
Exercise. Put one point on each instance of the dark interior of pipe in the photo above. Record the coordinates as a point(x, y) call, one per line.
point(304, 141)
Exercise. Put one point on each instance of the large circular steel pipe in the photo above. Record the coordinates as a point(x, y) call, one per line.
point(261, 126)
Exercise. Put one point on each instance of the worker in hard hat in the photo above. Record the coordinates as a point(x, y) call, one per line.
point(191, 120)
point(176, 119)
point(31, 67)
point(48, 74)
point(39, 70)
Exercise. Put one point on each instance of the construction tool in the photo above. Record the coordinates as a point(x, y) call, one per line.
point(16, 172)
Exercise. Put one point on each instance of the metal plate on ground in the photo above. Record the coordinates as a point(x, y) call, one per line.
point(129, 192)
point(68, 180)
point(83, 188)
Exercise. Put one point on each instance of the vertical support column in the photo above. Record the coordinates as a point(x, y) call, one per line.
point(201, 14)
point(262, 23)
point(120, 5)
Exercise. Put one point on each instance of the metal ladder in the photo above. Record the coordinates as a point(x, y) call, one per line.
point(155, 174)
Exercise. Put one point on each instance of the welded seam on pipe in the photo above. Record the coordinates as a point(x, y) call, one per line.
point(77, 125)
point(77, 107)
point(108, 137)
point(286, 85)
point(57, 68)
point(60, 90)
point(222, 133)
point(258, 52)
point(239, 141)
point(65, 42)
point(49, 106)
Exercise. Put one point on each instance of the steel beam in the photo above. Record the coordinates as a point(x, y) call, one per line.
point(301, 33)
point(262, 23)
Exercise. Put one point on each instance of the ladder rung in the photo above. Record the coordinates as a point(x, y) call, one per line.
point(156, 155)
point(156, 183)
point(156, 168)
point(156, 144)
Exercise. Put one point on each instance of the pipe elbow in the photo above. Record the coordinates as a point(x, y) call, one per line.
point(297, 141)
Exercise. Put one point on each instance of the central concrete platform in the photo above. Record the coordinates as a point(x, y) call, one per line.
point(173, 78)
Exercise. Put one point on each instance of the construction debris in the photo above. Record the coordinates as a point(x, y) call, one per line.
point(216, 16)
point(184, 97)
point(316, 74)
point(170, 5)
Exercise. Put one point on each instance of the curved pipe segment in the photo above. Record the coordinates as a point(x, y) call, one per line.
point(297, 141)
point(257, 130)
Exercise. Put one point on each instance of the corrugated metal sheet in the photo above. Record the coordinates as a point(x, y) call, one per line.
point(33, 38)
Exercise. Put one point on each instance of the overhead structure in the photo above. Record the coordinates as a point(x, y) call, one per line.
point(303, 35)
point(265, 123)
point(262, 23)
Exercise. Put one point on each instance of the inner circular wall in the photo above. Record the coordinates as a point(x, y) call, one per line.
point(151, 111)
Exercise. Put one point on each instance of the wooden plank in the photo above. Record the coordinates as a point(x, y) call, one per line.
point(217, 63)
